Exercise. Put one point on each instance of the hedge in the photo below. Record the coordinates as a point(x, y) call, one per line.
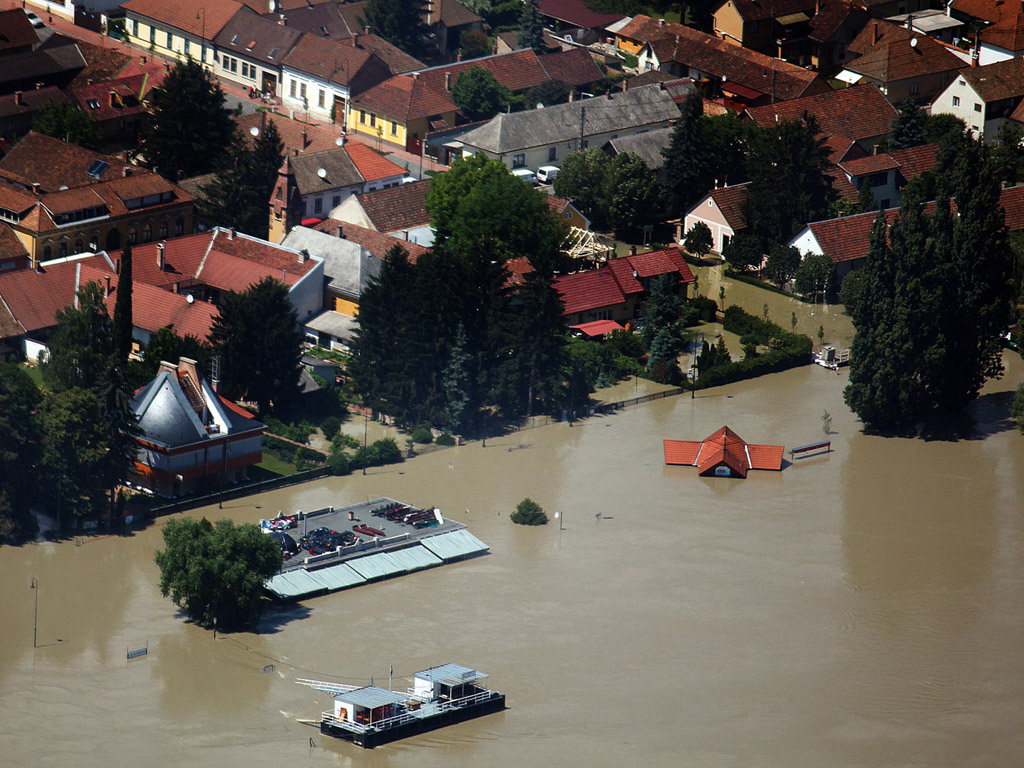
point(789, 350)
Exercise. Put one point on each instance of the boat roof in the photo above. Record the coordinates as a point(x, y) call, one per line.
point(450, 674)
point(370, 697)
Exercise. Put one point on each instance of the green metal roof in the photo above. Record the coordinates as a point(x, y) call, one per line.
point(338, 577)
point(455, 544)
point(415, 558)
point(294, 584)
point(377, 566)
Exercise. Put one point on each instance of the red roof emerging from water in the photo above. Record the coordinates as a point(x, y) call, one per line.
point(723, 454)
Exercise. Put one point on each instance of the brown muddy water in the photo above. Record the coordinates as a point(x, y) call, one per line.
point(864, 608)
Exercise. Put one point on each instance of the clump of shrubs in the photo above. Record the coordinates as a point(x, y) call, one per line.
point(529, 512)
point(422, 436)
point(330, 426)
point(445, 439)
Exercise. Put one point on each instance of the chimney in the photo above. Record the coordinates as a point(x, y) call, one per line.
point(126, 172)
point(39, 85)
point(303, 255)
point(340, 233)
point(624, 86)
point(35, 187)
point(117, 266)
point(231, 233)
point(165, 366)
point(661, 22)
point(113, 98)
point(975, 52)
point(875, 148)
point(296, 151)
point(106, 290)
point(88, 81)
point(458, 56)
point(305, 143)
point(661, 85)
point(609, 95)
point(160, 256)
point(910, 22)
point(142, 59)
point(283, 20)
point(632, 250)
point(177, 286)
point(19, 98)
point(571, 93)
point(448, 81)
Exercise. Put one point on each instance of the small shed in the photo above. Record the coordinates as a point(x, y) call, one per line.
point(367, 705)
point(595, 329)
point(448, 681)
point(723, 454)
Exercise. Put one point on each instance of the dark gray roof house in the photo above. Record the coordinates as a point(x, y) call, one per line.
point(319, 172)
point(647, 146)
point(539, 131)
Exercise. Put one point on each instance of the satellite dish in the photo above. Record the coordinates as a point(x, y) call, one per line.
point(539, 105)
point(340, 141)
point(913, 42)
point(190, 298)
point(322, 173)
point(254, 131)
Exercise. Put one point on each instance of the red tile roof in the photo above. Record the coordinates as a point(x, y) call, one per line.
point(517, 71)
point(723, 447)
point(575, 67)
point(643, 28)
point(295, 134)
point(377, 243)
point(16, 31)
point(371, 165)
point(986, 10)
point(518, 268)
point(759, 10)
point(902, 57)
point(15, 199)
point(611, 283)
point(589, 290)
point(856, 113)
point(1008, 32)
point(182, 257)
point(397, 208)
point(730, 202)
point(34, 298)
point(53, 163)
point(115, 99)
point(870, 164)
point(661, 262)
point(576, 13)
point(398, 61)
point(597, 328)
point(405, 97)
point(31, 101)
point(197, 17)
point(11, 248)
point(997, 81)
point(830, 17)
point(332, 60)
point(916, 160)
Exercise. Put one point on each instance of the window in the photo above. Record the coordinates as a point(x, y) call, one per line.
point(179, 227)
point(185, 47)
point(234, 40)
point(977, 107)
point(152, 35)
point(335, 201)
point(362, 117)
point(552, 154)
point(133, 235)
point(302, 91)
point(318, 205)
point(885, 203)
point(47, 253)
point(956, 101)
point(604, 314)
point(394, 128)
point(755, 27)
point(584, 144)
point(272, 54)
point(879, 179)
point(519, 161)
point(62, 250)
point(321, 99)
point(568, 215)
point(292, 91)
point(915, 89)
point(147, 234)
point(135, 27)
point(163, 230)
point(373, 120)
point(170, 41)
point(78, 245)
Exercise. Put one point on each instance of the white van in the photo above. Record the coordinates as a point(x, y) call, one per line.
point(546, 173)
point(525, 174)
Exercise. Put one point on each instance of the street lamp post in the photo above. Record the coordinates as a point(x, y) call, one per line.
point(364, 442)
point(35, 617)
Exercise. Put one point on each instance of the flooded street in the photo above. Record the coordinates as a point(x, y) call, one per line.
point(861, 608)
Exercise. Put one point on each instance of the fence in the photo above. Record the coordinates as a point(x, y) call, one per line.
point(239, 491)
point(602, 408)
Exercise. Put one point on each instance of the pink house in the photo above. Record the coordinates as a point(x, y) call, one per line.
point(722, 211)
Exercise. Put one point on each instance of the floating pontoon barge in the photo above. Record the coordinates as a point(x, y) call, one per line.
point(440, 696)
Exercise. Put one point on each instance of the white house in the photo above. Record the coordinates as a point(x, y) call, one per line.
point(181, 30)
point(983, 97)
point(398, 212)
point(250, 50)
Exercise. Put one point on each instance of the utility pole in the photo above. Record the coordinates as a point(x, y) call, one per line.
point(34, 586)
point(583, 117)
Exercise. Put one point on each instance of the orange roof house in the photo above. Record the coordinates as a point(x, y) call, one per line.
point(723, 454)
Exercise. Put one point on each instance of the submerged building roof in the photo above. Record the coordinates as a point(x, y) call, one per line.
point(723, 454)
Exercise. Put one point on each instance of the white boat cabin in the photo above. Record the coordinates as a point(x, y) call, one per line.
point(367, 706)
point(448, 681)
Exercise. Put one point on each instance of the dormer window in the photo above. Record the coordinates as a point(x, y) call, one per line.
point(92, 103)
point(234, 40)
point(273, 53)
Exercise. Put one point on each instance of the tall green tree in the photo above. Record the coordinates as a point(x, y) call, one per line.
point(79, 351)
point(267, 156)
point(215, 573)
point(1008, 154)
point(68, 123)
point(190, 130)
point(75, 456)
point(583, 181)
point(165, 344)
point(908, 127)
point(237, 195)
point(456, 381)
point(531, 27)
point(632, 191)
point(789, 185)
point(687, 172)
point(698, 240)
point(782, 264)
point(865, 199)
point(662, 309)
point(20, 450)
point(478, 94)
point(123, 323)
point(258, 338)
point(400, 22)
point(448, 190)
point(813, 274)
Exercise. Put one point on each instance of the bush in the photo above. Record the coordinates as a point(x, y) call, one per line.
point(298, 432)
point(338, 462)
point(386, 451)
point(341, 440)
point(706, 308)
point(330, 427)
point(529, 512)
point(422, 436)
point(445, 439)
point(364, 457)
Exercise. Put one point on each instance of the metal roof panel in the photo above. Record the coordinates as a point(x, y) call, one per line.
point(454, 544)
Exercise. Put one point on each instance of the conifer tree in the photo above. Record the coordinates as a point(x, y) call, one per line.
point(123, 321)
point(686, 171)
point(908, 126)
point(531, 28)
point(865, 199)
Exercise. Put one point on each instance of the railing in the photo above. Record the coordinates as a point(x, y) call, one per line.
point(435, 708)
point(239, 491)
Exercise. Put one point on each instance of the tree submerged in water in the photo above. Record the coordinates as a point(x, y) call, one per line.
point(529, 512)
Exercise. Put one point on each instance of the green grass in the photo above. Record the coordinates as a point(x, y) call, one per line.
point(35, 372)
point(274, 467)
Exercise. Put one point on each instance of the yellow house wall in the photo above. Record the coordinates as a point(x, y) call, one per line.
point(346, 306)
point(177, 51)
point(628, 45)
point(387, 128)
point(728, 23)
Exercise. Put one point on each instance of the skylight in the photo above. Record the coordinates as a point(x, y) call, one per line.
point(92, 103)
point(273, 52)
point(97, 168)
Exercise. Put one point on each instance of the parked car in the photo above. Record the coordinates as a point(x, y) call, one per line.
point(546, 173)
point(34, 19)
point(526, 175)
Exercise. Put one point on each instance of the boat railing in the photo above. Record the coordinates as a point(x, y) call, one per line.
point(438, 706)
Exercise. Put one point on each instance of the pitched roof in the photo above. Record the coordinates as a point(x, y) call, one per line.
point(723, 446)
point(1008, 32)
point(57, 56)
point(348, 266)
point(371, 165)
point(112, 99)
point(902, 56)
point(612, 282)
point(1000, 80)
point(575, 66)
point(405, 97)
point(53, 163)
point(106, 64)
point(986, 10)
point(916, 160)
point(34, 298)
point(588, 290)
point(517, 71)
point(31, 101)
point(339, 170)
point(647, 146)
point(720, 58)
point(398, 61)
point(636, 108)
point(642, 28)
point(377, 243)
point(11, 246)
point(255, 37)
point(855, 113)
point(331, 60)
point(759, 10)
point(575, 12)
point(730, 202)
point(16, 31)
point(830, 17)
point(862, 166)
point(295, 134)
point(196, 17)
point(397, 208)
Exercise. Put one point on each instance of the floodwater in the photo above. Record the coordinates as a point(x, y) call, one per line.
point(861, 608)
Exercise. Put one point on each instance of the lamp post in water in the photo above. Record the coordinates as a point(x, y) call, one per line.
point(34, 586)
